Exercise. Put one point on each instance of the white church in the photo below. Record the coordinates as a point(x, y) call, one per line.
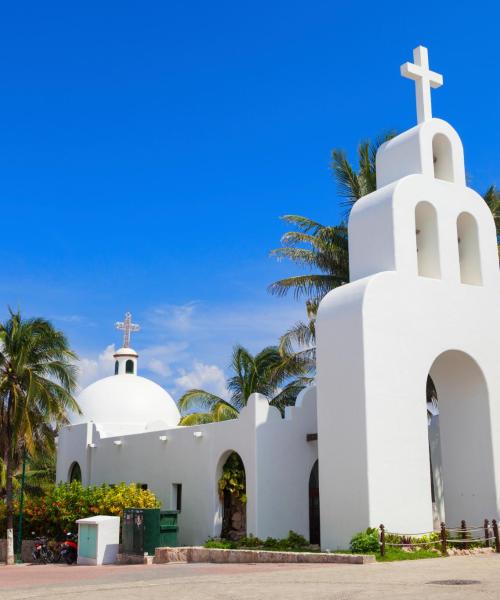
point(365, 445)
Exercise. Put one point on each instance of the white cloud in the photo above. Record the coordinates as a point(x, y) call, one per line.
point(206, 377)
point(68, 318)
point(212, 331)
point(159, 367)
point(92, 369)
point(189, 345)
point(157, 359)
point(174, 317)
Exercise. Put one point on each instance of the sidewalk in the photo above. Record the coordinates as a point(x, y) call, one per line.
point(399, 580)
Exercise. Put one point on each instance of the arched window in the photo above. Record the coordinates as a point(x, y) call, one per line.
point(443, 159)
point(468, 250)
point(75, 472)
point(426, 231)
point(116, 367)
point(129, 366)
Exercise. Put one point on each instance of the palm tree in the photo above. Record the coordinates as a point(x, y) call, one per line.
point(492, 199)
point(37, 379)
point(40, 464)
point(314, 246)
point(40, 469)
point(324, 249)
point(354, 184)
point(269, 372)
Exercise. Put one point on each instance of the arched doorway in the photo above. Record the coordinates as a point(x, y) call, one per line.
point(466, 477)
point(75, 473)
point(314, 519)
point(435, 458)
point(232, 494)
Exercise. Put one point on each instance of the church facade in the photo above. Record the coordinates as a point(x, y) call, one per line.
point(129, 432)
point(418, 314)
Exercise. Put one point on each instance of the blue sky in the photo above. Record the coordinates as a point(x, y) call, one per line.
point(147, 150)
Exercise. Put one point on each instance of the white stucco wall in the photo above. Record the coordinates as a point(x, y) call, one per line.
point(275, 453)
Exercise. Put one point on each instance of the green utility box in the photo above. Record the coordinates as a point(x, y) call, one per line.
point(141, 530)
point(168, 528)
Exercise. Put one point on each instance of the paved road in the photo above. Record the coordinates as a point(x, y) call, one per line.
point(401, 580)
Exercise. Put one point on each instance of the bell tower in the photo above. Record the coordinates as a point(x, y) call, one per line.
point(421, 302)
point(126, 357)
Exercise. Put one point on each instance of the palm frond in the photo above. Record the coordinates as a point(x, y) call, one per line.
point(306, 285)
point(198, 398)
point(197, 418)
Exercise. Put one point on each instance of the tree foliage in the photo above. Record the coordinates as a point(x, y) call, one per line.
point(57, 510)
point(37, 380)
point(278, 376)
point(233, 478)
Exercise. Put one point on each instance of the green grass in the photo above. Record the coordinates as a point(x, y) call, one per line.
point(392, 554)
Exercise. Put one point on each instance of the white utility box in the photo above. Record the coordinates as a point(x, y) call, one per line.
point(98, 540)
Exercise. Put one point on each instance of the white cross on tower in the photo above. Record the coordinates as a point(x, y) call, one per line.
point(127, 327)
point(424, 80)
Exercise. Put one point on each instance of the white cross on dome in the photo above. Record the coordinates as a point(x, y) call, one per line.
point(127, 327)
point(425, 79)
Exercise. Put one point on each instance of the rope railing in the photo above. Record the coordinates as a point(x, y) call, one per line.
point(465, 533)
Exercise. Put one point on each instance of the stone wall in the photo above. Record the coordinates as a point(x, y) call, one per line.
point(213, 555)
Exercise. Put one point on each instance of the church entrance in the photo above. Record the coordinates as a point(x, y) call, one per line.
point(314, 522)
point(232, 492)
point(461, 452)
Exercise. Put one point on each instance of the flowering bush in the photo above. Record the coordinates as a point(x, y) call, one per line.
point(56, 512)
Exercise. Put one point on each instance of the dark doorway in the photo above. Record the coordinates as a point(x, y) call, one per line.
point(314, 523)
point(75, 473)
point(232, 490)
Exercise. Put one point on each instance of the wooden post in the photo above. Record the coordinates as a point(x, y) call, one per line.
point(382, 540)
point(486, 533)
point(495, 533)
point(443, 538)
point(463, 526)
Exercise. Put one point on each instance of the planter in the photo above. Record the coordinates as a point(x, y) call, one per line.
point(198, 554)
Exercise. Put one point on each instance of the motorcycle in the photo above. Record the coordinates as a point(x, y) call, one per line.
point(41, 552)
point(69, 550)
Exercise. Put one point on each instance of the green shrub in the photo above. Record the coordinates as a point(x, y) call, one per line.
point(424, 542)
point(365, 542)
point(56, 511)
point(294, 542)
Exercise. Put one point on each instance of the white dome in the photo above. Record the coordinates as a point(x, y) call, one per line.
point(126, 404)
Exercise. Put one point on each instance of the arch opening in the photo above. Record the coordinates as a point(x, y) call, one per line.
point(460, 445)
point(75, 473)
point(443, 158)
point(231, 487)
point(314, 514)
point(427, 240)
point(468, 249)
point(117, 365)
point(129, 366)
